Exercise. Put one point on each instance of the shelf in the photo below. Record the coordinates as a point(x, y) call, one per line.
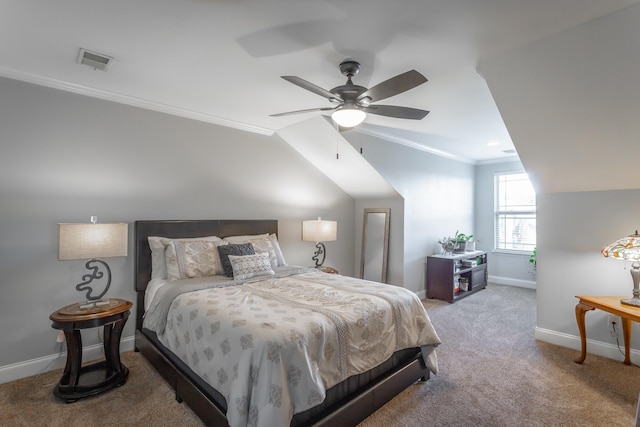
point(460, 255)
point(442, 275)
point(463, 294)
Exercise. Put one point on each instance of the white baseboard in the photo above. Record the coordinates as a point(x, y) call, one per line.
point(497, 280)
point(599, 348)
point(52, 362)
point(530, 284)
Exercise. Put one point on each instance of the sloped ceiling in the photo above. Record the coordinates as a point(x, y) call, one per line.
point(571, 102)
point(221, 61)
point(317, 140)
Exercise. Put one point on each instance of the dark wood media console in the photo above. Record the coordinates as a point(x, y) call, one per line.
point(451, 277)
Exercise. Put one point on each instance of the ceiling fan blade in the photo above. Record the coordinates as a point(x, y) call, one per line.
point(396, 111)
point(311, 87)
point(395, 85)
point(302, 111)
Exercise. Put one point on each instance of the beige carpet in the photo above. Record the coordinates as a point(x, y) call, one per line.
point(492, 373)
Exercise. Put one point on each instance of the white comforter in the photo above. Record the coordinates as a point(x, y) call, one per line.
point(273, 346)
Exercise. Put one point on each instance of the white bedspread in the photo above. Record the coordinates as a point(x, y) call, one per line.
point(273, 347)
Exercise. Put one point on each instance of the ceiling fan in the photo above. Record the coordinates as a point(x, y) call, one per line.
point(354, 101)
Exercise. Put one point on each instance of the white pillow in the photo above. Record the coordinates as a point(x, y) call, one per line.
point(193, 258)
point(158, 246)
point(158, 266)
point(245, 239)
point(276, 247)
point(247, 266)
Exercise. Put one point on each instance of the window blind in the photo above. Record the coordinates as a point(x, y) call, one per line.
point(515, 212)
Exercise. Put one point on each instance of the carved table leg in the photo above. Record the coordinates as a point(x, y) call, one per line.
point(71, 373)
point(112, 335)
point(581, 309)
point(626, 333)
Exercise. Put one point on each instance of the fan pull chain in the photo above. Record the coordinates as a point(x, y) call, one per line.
point(337, 142)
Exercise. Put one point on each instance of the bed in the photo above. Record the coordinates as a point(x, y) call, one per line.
point(351, 395)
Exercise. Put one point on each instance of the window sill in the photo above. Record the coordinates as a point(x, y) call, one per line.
point(511, 252)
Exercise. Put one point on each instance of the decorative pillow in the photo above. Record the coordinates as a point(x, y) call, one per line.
point(247, 266)
point(261, 244)
point(192, 258)
point(276, 247)
point(158, 266)
point(226, 250)
point(158, 247)
point(245, 239)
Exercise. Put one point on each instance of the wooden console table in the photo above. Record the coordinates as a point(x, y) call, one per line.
point(611, 305)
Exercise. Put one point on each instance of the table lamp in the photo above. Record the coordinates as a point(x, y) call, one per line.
point(319, 231)
point(92, 241)
point(628, 248)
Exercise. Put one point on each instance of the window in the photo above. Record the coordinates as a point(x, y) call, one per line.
point(515, 213)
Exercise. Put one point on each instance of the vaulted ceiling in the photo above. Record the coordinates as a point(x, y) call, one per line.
point(221, 61)
point(571, 102)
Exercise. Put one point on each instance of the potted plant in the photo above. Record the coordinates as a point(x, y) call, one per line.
point(471, 244)
point(447, 245)
point(532, 259)
point(461, 240)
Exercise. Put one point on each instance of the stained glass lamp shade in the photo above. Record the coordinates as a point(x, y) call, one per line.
point(628, 249)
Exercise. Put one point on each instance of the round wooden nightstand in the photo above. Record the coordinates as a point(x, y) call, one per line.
point(82, 381)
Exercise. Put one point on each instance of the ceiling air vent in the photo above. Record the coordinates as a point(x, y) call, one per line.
point(97, 61)
point(510, 151)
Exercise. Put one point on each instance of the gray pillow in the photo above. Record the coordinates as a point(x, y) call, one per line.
point(239, 249)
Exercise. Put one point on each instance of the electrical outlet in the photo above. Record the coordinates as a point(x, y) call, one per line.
point(614, 319)
point(60, 337)
point(614, 323)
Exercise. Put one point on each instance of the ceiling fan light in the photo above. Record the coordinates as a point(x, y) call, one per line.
point(348, 117)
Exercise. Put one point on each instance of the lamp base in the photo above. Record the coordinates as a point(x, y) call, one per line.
point(321, 251)
point(88, 307)
point(95, 303)
point(635, 301)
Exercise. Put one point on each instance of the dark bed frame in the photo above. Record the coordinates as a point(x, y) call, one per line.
point(346, 404)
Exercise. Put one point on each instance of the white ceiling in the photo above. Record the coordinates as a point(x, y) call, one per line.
point(220, 60)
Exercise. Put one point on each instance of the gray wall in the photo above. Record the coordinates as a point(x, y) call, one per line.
point(572, 228)
point(438, 199)
point(66, 157)
point(504, 268)
point(570, 103)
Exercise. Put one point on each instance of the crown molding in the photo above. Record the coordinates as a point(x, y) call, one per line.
point(128, 100)
point(498, 160)
point(402, 141)
point(412, 144)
